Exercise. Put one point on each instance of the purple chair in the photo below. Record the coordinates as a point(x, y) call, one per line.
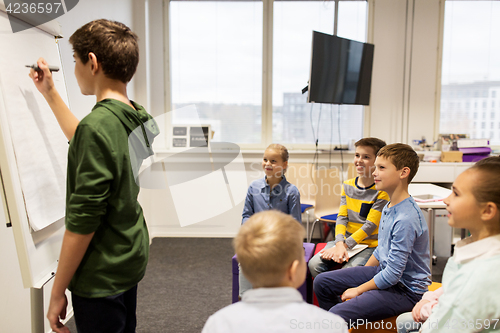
point(305, 289)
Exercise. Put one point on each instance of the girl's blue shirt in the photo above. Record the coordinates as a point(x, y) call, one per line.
point(284, 197)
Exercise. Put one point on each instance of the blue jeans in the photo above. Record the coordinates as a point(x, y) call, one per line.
point(371, 305)
point(318, 265)
point(112, 314)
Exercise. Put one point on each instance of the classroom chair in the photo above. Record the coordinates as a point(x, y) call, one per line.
point(306, 289)
point(351, 171)
point(329, 227)
point(319, 247)
point(302, 176)
point(327, 200)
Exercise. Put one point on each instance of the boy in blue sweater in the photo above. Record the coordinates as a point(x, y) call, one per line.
point(397, 274)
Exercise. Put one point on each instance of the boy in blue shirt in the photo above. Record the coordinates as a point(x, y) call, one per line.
point(397, 274)
point(106, 243)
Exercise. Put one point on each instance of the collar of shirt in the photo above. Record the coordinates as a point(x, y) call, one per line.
point(361, 187)
point(400, 206)
point(281, 185)
point(467, 250)
point(272, 295)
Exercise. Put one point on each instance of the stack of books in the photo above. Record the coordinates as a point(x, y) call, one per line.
point(474, 149)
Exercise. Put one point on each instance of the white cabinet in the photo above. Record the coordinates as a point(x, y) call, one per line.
point(439, 172)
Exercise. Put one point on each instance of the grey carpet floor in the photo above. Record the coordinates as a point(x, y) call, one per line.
point(186, 281)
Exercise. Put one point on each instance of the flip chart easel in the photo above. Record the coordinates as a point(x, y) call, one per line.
point(33, 152)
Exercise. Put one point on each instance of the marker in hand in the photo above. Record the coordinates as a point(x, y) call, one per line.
point(38, 69)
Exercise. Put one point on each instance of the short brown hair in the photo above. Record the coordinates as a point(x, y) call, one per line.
point(267, 245)
point(374, 143)
point(114, 45)
point(401, 155)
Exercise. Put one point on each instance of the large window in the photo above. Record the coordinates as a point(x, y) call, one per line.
point(470, 90)
point(217, 61)
point(216, 65)
point(294, 120)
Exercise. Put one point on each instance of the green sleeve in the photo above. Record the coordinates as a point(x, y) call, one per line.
point(91, 161)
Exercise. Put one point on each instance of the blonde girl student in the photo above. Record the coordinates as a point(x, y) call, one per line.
point(271, 192)
point(470, 299)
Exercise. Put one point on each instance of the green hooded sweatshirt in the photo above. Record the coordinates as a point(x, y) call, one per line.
point(104, 157)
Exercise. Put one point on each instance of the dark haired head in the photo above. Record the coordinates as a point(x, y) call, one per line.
point(114, 45)
point(374, 143)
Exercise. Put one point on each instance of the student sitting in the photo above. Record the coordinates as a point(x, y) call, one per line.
point(270, 251)
point(359, 215)
point(271, 192)
point(470, 301)
point(397, 274)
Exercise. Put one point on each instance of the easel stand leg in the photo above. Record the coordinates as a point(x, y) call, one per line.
point(37, 312)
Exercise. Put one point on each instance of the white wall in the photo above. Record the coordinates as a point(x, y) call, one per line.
point(386, 101)
point(162, 215)
point(14, 300)
point(405, 83)
point(425, 84)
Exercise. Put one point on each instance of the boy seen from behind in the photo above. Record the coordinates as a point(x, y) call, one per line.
point(271, 254)
point(106, 243)
point(397, 274)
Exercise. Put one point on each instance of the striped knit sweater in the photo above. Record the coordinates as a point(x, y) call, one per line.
point(359, 214)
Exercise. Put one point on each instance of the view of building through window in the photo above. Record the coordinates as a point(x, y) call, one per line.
point(294, 120)
point(470, 91)
point(216, 64)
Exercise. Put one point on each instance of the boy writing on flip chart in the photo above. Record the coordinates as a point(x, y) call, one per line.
point(106, 243)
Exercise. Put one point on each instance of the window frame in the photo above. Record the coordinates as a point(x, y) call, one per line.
point(475, 107)
point(267, 72)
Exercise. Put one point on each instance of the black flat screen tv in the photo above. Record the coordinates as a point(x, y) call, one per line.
point(341, 70)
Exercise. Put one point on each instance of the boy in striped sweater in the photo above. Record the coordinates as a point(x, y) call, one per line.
point(359, 215)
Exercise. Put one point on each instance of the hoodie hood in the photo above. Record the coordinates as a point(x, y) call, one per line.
point(141, 129)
